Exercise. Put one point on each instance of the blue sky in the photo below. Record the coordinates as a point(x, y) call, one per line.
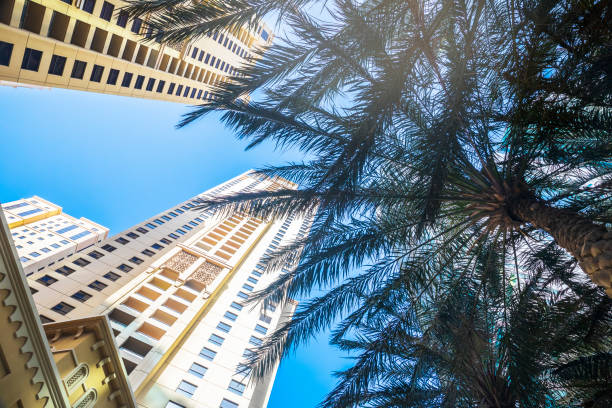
point(119, 160)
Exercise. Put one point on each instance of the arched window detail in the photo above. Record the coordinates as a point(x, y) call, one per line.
point(87, 400)
point(76, 377)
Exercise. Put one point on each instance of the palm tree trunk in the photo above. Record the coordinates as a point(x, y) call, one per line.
point(589, 243)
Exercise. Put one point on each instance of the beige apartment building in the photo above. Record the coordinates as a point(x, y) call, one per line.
point(174, 289)
point(91, 45)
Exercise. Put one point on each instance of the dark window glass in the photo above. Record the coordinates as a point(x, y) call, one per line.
point(78, 69)
point(108, 248)
point(124, 268)
point(132, 235)
point(207, 58)
point(193, 91)
point(194, 53)
point(81, 262)
point(142, 230)
point(44, 319)
point(178, 90)
point(220, 38)
point(81, 296)
point(96, 254)
point(157, 246)
point(89, 5)
point(199, 94)
point(97, 285)
point(187, 88)
point(56, 67)
point(139, 82)
point(107, 11)
point(46, 280)
point(201, 55)
point(31, 59)
point(150, 84)
point(122, 19)
point(160, 86)
point(6, 50)
point(148, 252)
point(212, 61)
point(112, 76)
point(171, 88)
point(127, 79)
point(136, 25)
point(96, 73)
point(165, 241)
point(62, 308)
point(64, 270)
point(112, 276)
point(136, 260)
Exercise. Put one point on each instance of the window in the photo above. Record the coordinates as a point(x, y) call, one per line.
point(56, 67)
point(198, 370)
point(111, 276)
point(160, 86)
point(97, 285)
point(242, 295)
point(178, 210)
point(157, 246)
point(165, 217)
point(224, 327)
point(236, 306)
point(199, 94)
point(158, 221)
point(55, 245)
point(122, 240)
point(136, 260)
point(81, 262)
point(139, 82)
point(271, 308)
point(194, 53)
point(46, 280)
point(88, 6)
point(81, 296)
point(252, 280)
point(34, 254)
point(187, 227)
point(108, 248)
point(207, 58)
point(228, 404)
point(31, 59)
point(195, 224)
point(186, 388)
point(247, 287)
point(107, 11)
point(132, 235)
point(265, 319)
point(231, 316)
point(215, 339)
point(80, 235)
point(136, 346)
point(173, 236)
point(171, 88)
point(124, 268)
point(78, 69)
point(44, 319)
point(236, 387)
point(201, 55)
point(6, 50)
point(260, 329)
point(136, 25)
point(96, 73)
point(127, 79)
point(64, 270)
point(208, 354)
point(256, 341)
point(165, 241)
point(193, 91)
point(62, 308)
point(150, 84)
point(122, 19)
point(186, 93)
point(179, 89)
point(112, 76)
point(257, 273)
point(96, 254)
point(180, 231)
point(148, 252)
point(172, 404)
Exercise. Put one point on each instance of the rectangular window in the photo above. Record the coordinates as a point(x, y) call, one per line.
point(257, 273)
point(97, 285)
point(64, 270)
point(152, 226)
point(96, 73)
point(207, 58)
point(199, 94)
point(247, 287)
point(127, 79)
point(81, 296)
point(215, 339)
point(160, 86)
point(174, 236)
point(208, 354)
point(62, 308)
point(193, 91)
point(148, 252)
point(224, 327)
point(111, 276)
point(201, 55)
point(34, 254)
point(165, 217)
point(96, 254)
point(81, 262)
point(124, 268)
point(243, 295)
point(260, 329)
point(31, 59)
point(236, 306)
point(6, 51)
point(112, 76)
point(136, 25)
point(122, 240)
point(198, 370)
point(122, 18)
point(265, 319)
point(186, 388)
point(157, 247)
point(194, 53)
point(236, 387)
point(180, 231)
point(107, 11)
point(231, 316)
point(165, 241)
point(108, 248)
point(158, 221)
point(256, 341)
point(171, 88)
point(139, 81)
point(252, 280)
point(78, 69)
point(179, 89)
point(136, 260)
point(88, 6)
point(228, 404)
point(142, 230)
point(46, 280)
point(56, 67)
point(150, 84)
point(187, 88)
point(80, 235)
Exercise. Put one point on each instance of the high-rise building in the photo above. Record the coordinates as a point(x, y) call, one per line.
point(174, 288)
point(91, 45)
point(44, 235)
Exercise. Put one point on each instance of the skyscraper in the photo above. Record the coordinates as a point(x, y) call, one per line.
point(90, 45)
point(43, 234)
point(174, 288)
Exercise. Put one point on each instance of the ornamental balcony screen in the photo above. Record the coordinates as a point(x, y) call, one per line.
point(180, 262)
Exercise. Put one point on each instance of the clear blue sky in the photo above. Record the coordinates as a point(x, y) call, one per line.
point(119, 160)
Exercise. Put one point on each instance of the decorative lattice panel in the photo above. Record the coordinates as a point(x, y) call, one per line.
point(180, 262)
point(206, 273)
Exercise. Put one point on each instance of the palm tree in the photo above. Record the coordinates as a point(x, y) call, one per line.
point(482, 344)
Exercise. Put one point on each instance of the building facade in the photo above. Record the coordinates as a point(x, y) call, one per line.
point(174, 289)
point(91, 45)
point(44, 235)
